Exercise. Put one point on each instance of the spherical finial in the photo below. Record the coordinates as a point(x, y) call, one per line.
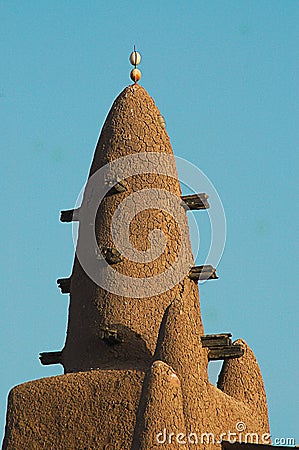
point(135, 75)
point(135, 59)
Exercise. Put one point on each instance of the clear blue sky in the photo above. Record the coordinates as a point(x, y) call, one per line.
point(224, 74)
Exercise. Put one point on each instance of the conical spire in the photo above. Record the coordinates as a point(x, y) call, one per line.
point(160, 410)
point(147, 268)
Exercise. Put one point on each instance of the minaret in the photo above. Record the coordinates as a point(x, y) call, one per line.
point(135, 317)
point(135, 355)
point(106, 329)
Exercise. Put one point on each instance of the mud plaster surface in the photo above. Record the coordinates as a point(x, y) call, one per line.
point(91, 410)
point(132, 126)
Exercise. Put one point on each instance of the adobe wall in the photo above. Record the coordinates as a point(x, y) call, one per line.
point(91, 410)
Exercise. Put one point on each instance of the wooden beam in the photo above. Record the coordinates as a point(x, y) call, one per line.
point(110, 337)
point(70, 215)
point(48, 358)
point(216, 340)
point(225, 352)
point(206, 272)
point(117, 188)
point(192, 202)
point(64, 285)
point(111, 255)
point(196, 201)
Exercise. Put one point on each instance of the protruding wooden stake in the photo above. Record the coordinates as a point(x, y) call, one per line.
point(221, 347)
point(64, 285)
point(207, 272)
point(117, 188)
point(111, 255)
point(70, 215)
point(111, 337)
point(48, 358)
point(225, 352)
point(196, 201)
point(216, 340)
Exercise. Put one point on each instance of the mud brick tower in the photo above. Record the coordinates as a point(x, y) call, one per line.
point(136, 356)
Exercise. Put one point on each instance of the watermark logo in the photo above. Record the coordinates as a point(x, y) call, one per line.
point(240, 426)
point(231, 436)
point(100, 183)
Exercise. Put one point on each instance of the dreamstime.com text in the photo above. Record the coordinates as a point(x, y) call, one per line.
point(238, 435)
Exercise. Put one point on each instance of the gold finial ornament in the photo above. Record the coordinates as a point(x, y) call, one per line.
point(135, 59)
point(135, 75)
